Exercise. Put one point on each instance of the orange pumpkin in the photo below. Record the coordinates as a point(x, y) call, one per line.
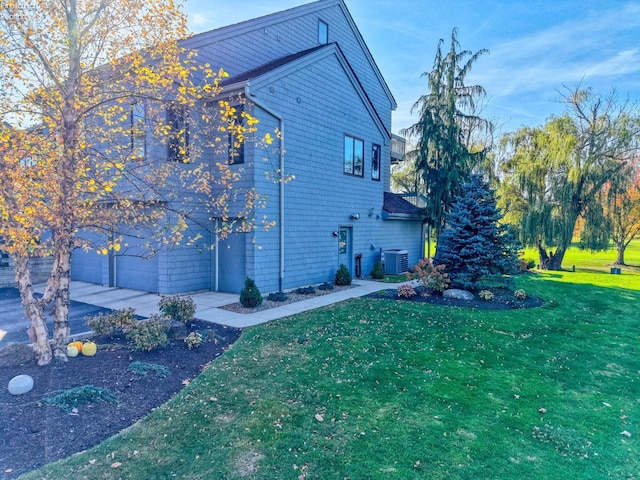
point(78, 345)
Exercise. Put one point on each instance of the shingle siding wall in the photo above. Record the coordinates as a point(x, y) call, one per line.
point(320, 106)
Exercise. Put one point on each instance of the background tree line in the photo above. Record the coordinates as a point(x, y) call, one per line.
point(577, 174)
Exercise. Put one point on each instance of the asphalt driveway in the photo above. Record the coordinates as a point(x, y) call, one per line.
point(14, 323)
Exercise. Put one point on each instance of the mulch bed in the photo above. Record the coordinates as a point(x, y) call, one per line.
point(503, 300)
point(33, 433)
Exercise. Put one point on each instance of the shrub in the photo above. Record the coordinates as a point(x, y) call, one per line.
point(432, 278)
point(277, 297)
point(486, 295)
point(406, 291)
point(141, 368)
point(250, 295)
point(112, 322)
point(149, 334)
point(378, 271)
point(193, 340)
point(326, 286)
point(306, 290)
point(180, 309)
point(520, 294)
point(82, 395)
point(343, 277)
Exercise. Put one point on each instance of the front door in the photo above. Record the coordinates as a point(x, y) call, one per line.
point(345, 247)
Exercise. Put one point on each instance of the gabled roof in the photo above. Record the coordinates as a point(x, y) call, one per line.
point(397, 208)
point(268, 67)
point(271, 71)
point(205, 38)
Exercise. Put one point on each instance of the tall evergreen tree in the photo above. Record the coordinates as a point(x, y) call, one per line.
point(445, 154)
point(474, 245)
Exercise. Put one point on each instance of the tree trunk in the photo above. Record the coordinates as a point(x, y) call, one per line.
point(620, 247)
point(551, 260)
point(61, 327)
point(34, 309)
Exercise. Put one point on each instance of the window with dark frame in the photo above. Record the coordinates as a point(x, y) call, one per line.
point(353, 156)
point(236, 145)
point(138, 129)
point(323, 32)
point(375, 161)
point(178, 144)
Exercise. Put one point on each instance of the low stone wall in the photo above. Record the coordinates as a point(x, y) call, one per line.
point(40, 271)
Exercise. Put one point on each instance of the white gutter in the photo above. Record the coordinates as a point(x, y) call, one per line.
point(281, 177)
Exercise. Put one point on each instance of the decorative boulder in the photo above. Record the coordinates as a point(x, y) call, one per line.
point(20, 384)
point(458, 294)
point(15, 354)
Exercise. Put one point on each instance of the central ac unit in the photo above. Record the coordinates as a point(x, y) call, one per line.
point(395, 261)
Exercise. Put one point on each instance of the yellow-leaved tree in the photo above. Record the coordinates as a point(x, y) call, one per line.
point(96, 103)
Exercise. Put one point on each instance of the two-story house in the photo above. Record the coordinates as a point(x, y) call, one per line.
point(308, 73)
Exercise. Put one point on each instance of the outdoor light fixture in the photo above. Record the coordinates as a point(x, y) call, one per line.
point(355, 216)
point(335, 234)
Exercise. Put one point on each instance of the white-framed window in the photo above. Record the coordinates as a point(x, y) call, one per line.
point(353, 156)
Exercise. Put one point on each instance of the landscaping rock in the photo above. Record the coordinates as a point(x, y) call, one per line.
point(20, 384)
point(177, 329)
point(15, 354)
point(458, 294)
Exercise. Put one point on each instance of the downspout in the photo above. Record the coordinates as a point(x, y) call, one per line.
point(281, 178)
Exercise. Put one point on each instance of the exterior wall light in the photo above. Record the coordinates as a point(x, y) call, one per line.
point(355, 216)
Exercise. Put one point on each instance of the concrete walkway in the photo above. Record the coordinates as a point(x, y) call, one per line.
point(209, 303)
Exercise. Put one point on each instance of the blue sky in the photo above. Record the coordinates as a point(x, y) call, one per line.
point(535, 47)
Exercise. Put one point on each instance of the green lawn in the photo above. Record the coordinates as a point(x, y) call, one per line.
point(379, 389)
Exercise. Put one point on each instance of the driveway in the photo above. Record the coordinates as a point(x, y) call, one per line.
point(14, 323)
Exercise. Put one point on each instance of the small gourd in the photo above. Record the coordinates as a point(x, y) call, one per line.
point(89, 349)
point(78, 346)
point(72, 351)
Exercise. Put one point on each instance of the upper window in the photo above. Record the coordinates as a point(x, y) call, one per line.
point(375, 162)
point(178, 144)
point(138, 129)
point(353, 156)
point(323, 32)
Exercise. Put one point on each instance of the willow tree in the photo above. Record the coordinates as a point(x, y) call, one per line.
point(555, 173)
point(447, 151)
point(96, 96)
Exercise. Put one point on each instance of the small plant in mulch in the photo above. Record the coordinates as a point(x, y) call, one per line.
point(486, 295)
point(149, 334)
point(326, 286)
point(141, 368)
point(406, 291)
point(277, 297)
point(343, 277)
point(180, 309)
point(72, 398)
point(193, 340)
point(210, 335)
point(378, 271)
point(250, 295)
point(306, 290)
point(111, 323)
point(520, 294)
point(431, 277)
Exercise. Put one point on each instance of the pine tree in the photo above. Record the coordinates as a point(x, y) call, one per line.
point(474, 246)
